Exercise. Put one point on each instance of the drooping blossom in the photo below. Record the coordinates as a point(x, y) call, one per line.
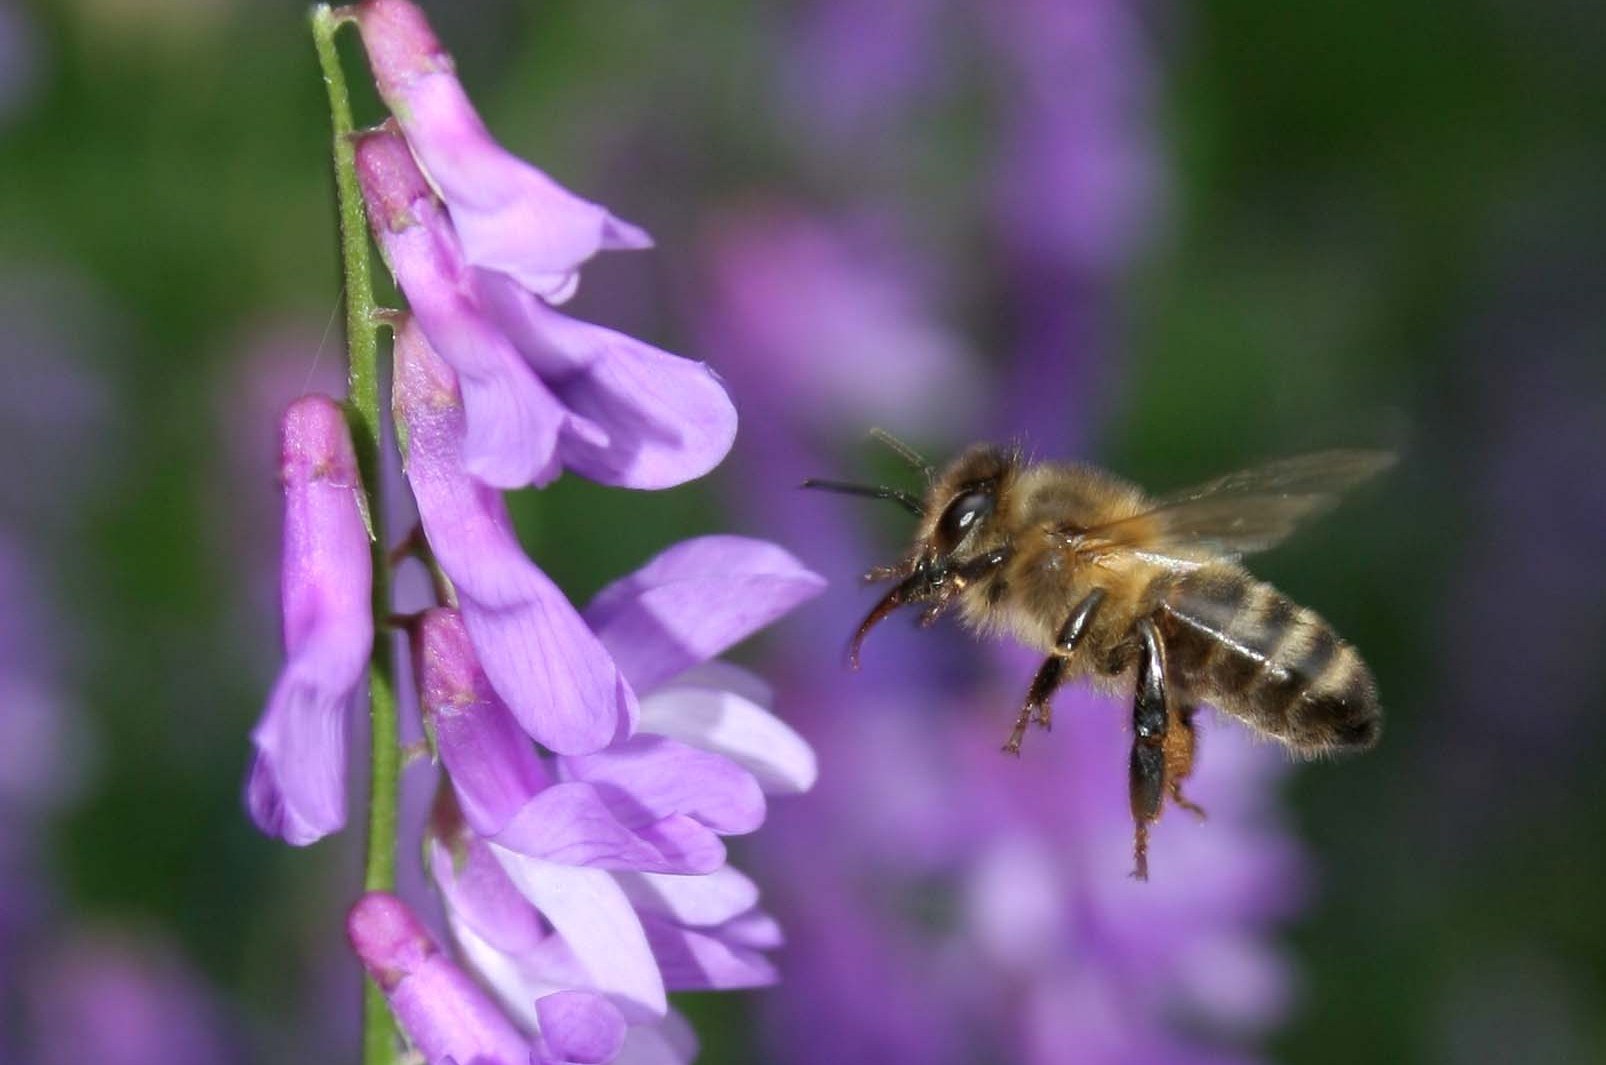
point(297, 783)
point(542, 392)
point(540, 657)
point(511, 217)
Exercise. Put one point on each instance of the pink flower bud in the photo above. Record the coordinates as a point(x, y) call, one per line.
point(440, 1007)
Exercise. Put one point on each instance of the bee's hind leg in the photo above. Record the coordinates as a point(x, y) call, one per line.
point(1051, 674)
point(1181, 742)
point(1146, 771)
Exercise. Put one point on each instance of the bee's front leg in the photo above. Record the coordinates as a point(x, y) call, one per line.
point(1051, 674)
point(955, 579)
point(1049, 677)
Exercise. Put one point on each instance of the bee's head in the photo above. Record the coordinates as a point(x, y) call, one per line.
point(959, 508)
point(956, 524)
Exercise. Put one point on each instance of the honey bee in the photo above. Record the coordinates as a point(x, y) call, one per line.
point(1123, 589)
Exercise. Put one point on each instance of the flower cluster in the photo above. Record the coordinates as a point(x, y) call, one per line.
point(594, 761)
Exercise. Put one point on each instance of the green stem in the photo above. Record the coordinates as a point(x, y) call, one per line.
point(380, 1043)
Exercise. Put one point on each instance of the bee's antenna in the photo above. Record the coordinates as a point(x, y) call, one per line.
point(903, 451)
point(870, 491)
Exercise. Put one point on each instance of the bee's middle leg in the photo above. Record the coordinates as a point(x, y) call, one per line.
point(1051, 674)
point(1146, 771)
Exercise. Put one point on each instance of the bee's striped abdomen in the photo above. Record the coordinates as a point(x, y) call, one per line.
point(1244, 646)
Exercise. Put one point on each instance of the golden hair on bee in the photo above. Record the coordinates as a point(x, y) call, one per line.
point(1137, 594)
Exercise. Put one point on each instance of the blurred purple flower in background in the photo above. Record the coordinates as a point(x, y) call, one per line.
point(19, 59)
point(853, 67)
point(1076, 197)
point(66, 994)
point(56, 409)
point(117, 1000)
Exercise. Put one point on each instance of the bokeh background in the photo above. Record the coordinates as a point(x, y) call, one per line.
point(1173, 238)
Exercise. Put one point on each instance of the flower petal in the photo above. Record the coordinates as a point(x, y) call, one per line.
point(699, 901)
point(548, 667)
point(670, 1042)
point(442, 1010)
point(297, 783)
point(741, 730)
point(590, 911)
point(699, 961)
point(512, 217)
point(572, 824)
point(665, 420)
point(646, 778)
point(478, 893)
point(754, 929)
point(513, 420)
point(695, 600)
point(579, 1027)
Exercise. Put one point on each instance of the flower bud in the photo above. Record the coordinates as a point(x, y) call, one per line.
point(297, 784)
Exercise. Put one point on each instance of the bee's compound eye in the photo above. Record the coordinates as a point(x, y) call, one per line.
point(963, 515)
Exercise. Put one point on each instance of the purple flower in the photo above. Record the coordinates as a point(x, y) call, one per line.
point(539, 655)
point(297, 782)
point(511, 217)
point(541, 391)
point(511, 798)
point(603, 874)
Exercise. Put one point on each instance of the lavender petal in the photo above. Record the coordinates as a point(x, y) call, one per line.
point(695, 600)
point(726, 723)
point(647, 777)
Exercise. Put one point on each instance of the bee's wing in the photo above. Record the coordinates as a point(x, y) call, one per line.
point(1243, 512)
